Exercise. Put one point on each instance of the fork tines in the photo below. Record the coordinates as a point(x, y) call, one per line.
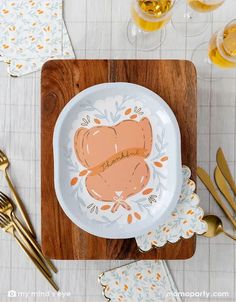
point(4, 200)
point(4, 197)
point(3, 156)
point(4, 220)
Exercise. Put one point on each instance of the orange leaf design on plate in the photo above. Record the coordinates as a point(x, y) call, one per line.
point(147, 191)
point(97, 121)
point(84, 172)
point(137, 215)
point(139, 276)
point(73, 181)
point(128, 111)
point(129, 219)
point(133, 116)
point(158, 276)
point(105, 207)
point(190, 212)
point(158, 164)
point(164, 158)
point(153, 286)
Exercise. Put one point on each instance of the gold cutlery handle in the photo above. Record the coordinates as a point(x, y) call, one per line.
point(37, 264)
point(229, 235)
point(205, 178)
point(224, 167)
point(228, 214)
point(20, 205)
point(31, 250)
point(33, 242)
point(223, 187)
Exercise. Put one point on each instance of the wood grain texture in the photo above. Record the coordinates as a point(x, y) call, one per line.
point(174, 81)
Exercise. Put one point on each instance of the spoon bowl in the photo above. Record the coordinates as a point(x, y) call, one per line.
point(215, 227)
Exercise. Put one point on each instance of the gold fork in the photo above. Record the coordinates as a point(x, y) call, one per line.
point(6, 218)
point(7, 225)
point(7, 207)
point(4, 164)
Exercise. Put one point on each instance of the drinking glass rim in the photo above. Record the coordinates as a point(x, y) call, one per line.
point(212, 2)
point(219, 42)
point(151, 17)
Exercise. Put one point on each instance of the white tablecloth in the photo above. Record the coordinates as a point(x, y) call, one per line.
point(97, 30)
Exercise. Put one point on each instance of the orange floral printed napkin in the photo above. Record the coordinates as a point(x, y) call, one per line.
point(32, 32)
point(141, 281)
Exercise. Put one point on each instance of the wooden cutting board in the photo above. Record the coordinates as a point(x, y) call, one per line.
point(174, 81)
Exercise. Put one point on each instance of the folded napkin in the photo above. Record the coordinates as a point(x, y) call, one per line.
point(185, 220)
point(19, 67)
point(32, 32)
point(141, 281)
point(30, 28)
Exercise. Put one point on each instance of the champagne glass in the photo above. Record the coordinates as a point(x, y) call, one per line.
point(192, 17)
point(218, 57)
point(149, 17)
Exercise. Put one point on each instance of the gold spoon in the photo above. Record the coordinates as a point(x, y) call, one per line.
point(215, 227)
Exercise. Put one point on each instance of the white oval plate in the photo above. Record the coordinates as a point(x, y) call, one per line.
point(117, 160)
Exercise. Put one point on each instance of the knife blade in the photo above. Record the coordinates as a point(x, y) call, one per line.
point(205, 178)
point(224, 168)
point(224, 188)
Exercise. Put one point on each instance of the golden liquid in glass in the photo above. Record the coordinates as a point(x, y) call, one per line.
point(204, 6)
point(148, 15)
point(224, 57)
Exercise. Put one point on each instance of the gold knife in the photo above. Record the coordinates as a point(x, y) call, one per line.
point(205, 178)
point(223, 187)
point(38, 266)
point(224, 168)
